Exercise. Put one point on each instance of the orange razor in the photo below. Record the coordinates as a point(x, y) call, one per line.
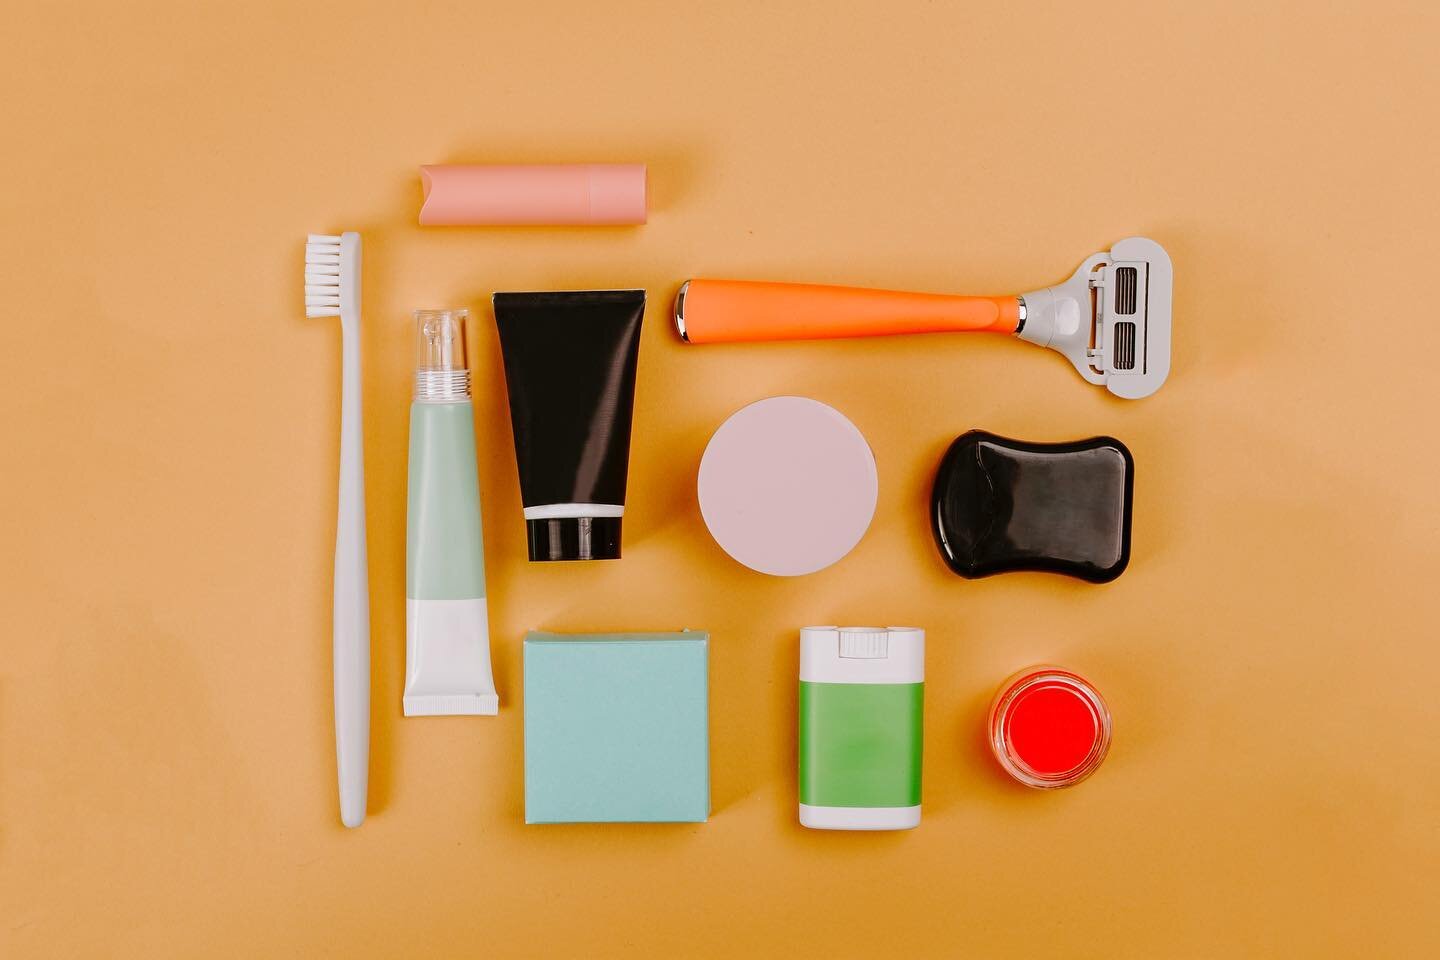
point(1111, 319)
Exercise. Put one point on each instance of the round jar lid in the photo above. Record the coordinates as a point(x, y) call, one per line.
point(787, 486)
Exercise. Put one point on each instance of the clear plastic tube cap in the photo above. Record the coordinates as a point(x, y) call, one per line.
point(441, 371)
point(440, 339)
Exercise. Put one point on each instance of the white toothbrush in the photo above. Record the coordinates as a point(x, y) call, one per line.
point(332, 286)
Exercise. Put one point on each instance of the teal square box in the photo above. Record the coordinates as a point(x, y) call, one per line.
point(617, 727)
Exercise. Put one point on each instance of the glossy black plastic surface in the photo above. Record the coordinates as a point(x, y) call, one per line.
point(1001, 505)
point(570, 362)
point(574, 538)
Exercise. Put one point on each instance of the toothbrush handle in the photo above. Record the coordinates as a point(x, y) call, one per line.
point(722, 311)
point(352, 598)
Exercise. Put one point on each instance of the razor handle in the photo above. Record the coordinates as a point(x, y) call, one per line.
point(730, 311)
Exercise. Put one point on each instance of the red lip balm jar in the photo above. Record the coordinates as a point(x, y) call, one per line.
point(1049, 727)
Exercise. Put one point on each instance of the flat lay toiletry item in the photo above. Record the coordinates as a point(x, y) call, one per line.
point(332, 287)
point(447, 632)
point(1001, 505)
point(1111, 319)
point(862, 699)
point(787, 486)
point(570, 371)
point(616, 727)
point(1049, 727)
point(556, 194)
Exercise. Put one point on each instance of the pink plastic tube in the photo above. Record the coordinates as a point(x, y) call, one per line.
point(535, 194)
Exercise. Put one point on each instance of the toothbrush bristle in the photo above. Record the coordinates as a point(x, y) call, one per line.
point(322, 275)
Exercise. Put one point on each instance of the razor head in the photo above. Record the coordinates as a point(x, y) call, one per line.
point(1125, 296)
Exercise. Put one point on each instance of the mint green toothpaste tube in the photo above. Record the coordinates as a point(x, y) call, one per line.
point(447, 633)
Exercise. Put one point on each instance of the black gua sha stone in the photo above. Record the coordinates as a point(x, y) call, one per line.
point(1001, 505)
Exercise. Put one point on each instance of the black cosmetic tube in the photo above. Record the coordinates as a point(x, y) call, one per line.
point(570, 371)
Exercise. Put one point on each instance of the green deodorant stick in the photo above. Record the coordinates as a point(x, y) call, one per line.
point(862, 698)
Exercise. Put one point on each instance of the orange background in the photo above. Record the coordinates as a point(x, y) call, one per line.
point(167, 471)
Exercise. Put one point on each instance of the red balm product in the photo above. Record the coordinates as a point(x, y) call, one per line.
point(1049, 727)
